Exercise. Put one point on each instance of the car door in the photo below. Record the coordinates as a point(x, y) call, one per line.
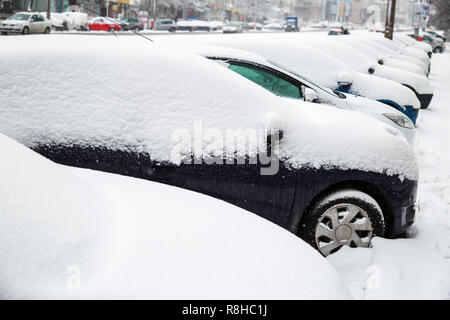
point(41, 23)
point(34, 24)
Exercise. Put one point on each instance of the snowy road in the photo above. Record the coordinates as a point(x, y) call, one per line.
point(418, 267)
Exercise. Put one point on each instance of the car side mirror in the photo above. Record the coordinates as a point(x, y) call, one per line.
point(345, 79)
point(310, 95)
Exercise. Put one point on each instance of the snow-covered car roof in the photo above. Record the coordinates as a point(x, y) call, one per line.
point(60, 222)
point(136, 94)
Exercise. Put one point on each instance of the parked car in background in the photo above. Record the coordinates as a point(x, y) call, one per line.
point(255, 26)
point(273, 27)
point(436, 43)
point(103, 24)
point(437, 35)
point(133, 24)
point(327, 71)
point(336, 32)
point(122, 24)
point(26, 23)
point(331, 181)
point(166, 25)
point(361, 62)
point(59, 21)
point(187, 25)
point(232, 27)
point(284, 82)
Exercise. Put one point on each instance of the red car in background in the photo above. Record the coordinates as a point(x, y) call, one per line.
point(102, 24)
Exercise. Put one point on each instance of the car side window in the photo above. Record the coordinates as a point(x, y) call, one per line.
point(268, 80)
point(40, 18)
point(33, 18)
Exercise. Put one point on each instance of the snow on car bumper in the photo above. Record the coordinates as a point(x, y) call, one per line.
point(403, 219)
point(11, 29)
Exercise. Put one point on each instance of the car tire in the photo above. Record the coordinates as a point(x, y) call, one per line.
point(4, 33)
point(345, 217)
point(172, 30)
point(47, 30)
point(25, 30)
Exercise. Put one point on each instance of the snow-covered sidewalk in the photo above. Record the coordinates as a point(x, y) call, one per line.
point(418, 267)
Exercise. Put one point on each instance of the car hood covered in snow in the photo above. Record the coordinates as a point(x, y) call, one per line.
point(71, 233)
point(136, 95)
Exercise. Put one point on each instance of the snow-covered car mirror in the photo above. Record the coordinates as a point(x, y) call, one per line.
point(310, 95)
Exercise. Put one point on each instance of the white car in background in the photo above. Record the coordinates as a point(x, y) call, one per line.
point(251, 65)
point(26, 23)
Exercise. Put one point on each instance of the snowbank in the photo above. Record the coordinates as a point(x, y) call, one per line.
point(74, 233)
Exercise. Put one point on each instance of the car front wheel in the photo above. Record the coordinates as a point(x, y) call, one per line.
point(26, 30)
point(47, 30)
point(343, 218)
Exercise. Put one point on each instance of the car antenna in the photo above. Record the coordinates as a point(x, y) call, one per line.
point(108, 18)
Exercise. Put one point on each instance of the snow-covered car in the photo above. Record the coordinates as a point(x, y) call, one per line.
point(166, 25)
point(78, 20)
point(69, 233)
point(384, 55)
point(438, 35)
point(25, 23)
point(436, 43)
point(59, 21)
point(414, 47)
point(232, 27)
point(327, 71)
point(360, 62)
point(286, 83)
point(315, 170)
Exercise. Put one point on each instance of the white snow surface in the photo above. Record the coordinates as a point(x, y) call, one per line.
point(136, 94)
point(129, 238)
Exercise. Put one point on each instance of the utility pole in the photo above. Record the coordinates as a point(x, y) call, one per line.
point(48, 9)
point(154, 13)
point(256, 12)
point(389, 30)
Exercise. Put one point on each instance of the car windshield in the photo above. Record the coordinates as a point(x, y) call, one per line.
point(19, 16)
point(232, 24)
point(326, 90)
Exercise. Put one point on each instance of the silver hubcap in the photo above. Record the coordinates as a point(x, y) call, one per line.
point(343, 225)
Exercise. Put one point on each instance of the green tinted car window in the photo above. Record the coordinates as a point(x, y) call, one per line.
point(268, 80)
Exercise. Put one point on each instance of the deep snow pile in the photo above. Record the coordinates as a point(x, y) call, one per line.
point(113, 92)
point(74, 233)
point(418, 267)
